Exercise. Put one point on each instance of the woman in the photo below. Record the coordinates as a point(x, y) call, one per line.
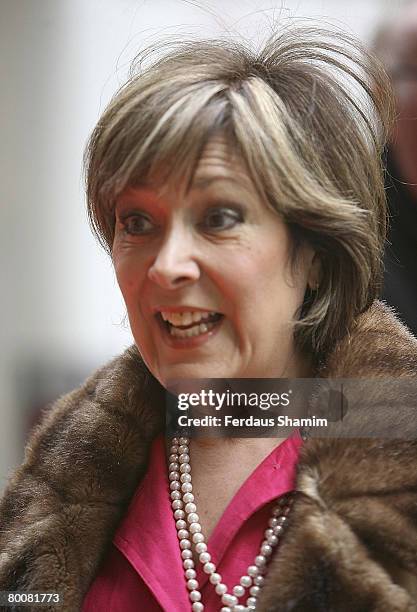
point(240, 196)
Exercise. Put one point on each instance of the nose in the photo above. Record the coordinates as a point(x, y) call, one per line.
point(175, 265)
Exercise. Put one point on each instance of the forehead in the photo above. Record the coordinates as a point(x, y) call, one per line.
point(219, 163)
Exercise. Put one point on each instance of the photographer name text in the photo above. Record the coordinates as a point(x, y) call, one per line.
point(228, 420)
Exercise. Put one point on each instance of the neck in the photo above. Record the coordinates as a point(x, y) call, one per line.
point(215, 453)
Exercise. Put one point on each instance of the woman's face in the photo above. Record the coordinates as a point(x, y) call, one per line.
point(181, 256)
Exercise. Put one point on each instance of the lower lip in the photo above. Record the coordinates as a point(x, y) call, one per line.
point(188, 343)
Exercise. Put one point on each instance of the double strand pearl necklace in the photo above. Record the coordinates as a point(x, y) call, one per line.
point(189, 532)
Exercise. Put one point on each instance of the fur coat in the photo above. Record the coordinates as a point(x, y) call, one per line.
point(352, 541)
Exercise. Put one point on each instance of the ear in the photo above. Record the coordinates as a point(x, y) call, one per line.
point(314, 274)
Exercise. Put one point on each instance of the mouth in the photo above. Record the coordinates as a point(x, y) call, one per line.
point(188, 328)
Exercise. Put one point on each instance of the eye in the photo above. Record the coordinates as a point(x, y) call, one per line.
point(137, 224)
point(222, 218)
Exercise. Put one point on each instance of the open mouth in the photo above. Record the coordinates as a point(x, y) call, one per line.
point(190, 324)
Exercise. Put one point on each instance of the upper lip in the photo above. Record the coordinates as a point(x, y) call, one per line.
point(182, 309)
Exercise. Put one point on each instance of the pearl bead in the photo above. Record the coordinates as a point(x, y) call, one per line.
point(215, 578)
point(260, 560)
point(195, 595)
point(186, 554)
point(193, 517)
point(183, 449)
point(190, 508)
point(179, 514)
point(183, 440)
point(183, 534)
point(173, 467)
point(192, 584)
point(254, 591)
point(200, 547)
point(278, 530)
point(266, 550)
point(272, 540)
point(273, 522)
point(197, 607)
point(186, 487)
point(195, 527)
point(259, 581)
point(174, 485)
point(209, 568)
point(175, 495)
point(176, 504)
point(238, 590)
point(184, 544)
point(184, 458)
point(245, 581)
point(239, 608)
point(205, 557)
point(173, 458)
point(184, 477)
point(190, 573)
point(198, 537)
point(188, 564)
point(282, 520)
point(268, 533)
point(185, 468)
point(174, 449)
point(181, 524)
point(251, 601)
point(188, 497)
point(253, 570)
point(229, 600)
point(220, 588)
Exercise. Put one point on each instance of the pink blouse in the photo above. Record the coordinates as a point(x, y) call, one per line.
point(143, 570)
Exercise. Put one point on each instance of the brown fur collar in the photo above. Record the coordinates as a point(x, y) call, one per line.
point(352, 541)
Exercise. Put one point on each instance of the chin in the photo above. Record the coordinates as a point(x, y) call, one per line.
point(192, 371)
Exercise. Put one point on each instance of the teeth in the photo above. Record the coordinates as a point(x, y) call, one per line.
point(185, 318)
point(196, 319)
point(195, 330)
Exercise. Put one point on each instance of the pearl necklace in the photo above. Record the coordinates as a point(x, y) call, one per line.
point(189, 532)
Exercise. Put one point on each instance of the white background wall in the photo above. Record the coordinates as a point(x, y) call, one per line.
point(60, 61)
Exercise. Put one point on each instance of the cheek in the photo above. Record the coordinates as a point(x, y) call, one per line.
point(271, 291)
point(269, 269)
point(257, 284)
point(129, 273)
